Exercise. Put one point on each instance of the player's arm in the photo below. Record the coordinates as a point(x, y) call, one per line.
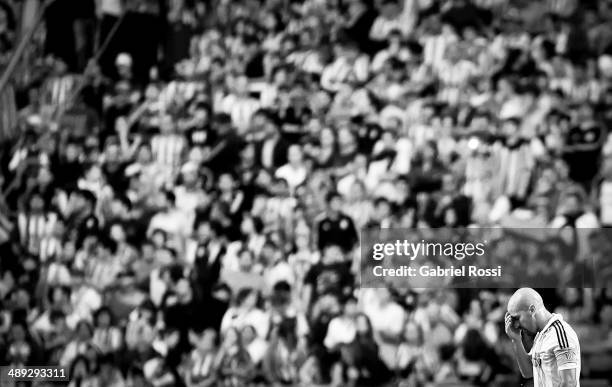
point(567, 354)
point(568, 378)
point(568, 360)
point(522, 357)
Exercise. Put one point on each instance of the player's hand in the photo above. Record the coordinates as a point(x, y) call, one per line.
point(512, 332)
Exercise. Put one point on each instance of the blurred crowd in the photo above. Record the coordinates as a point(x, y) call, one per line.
point(185, 208)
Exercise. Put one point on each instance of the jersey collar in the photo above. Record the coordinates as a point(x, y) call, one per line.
point(554, 317)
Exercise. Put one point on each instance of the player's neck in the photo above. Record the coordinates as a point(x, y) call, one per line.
point(542, 318)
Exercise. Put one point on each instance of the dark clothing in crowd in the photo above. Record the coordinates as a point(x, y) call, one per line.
point(338, 231)
point(60, 41)
point(584, 157)
point(330, 279)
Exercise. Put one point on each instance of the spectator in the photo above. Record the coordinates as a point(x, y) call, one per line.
point(473, 363)
point(140, 332)
point(199, 368)
point(336, 228)
point(393, 16)
point(81, 344)
point(245, 312)
point(284, 356)
point(106, 337)
point(108, 373)
point(234, 364)
point(239, 105)
point(82, 372)
point(294, 171)
point(350, 67)
point(410, 353)
point(342, 329)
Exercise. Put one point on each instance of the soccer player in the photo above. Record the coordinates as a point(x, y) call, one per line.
point(554, 358)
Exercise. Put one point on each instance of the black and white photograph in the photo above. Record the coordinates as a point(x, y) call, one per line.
point(306, 193)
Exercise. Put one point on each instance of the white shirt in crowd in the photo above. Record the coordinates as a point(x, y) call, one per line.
point(281, 272)
point(294, 175)
point(235, 318)
point(308, 61)
point(188, 200)
point(268, 94)
point(341, 330)
point(58, 274)
point(388, 318)
point(405, 22)
point(342, 71)
point(241, 109)
point(605, 200)
point(85, 301)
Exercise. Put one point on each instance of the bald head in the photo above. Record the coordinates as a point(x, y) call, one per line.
point(523, 299)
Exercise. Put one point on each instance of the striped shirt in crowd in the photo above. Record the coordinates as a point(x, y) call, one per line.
point(107, 340)
point(57, 91)
point(33, 228)
point(179, 89)
point(50, 247)
point(168, 149)
point(585, 92)
point(101, 271)
point(454, 78)
point(480, 172)
point(434, 48)
point(201, 365)
point(8, 114)
point(515, 168)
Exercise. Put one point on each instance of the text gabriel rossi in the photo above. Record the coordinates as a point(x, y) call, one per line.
point(437, 271)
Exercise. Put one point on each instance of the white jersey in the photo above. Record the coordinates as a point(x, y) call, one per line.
point(555, 348)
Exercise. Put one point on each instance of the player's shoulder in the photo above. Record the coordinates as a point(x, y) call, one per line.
point(561, 334)
point(565, 325)
point(566, 328)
